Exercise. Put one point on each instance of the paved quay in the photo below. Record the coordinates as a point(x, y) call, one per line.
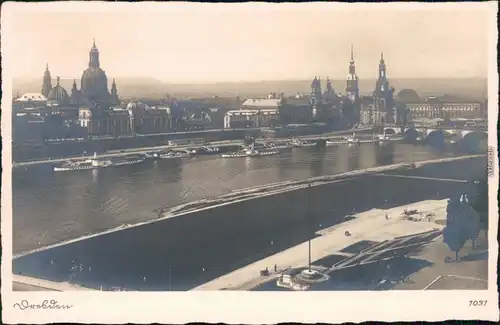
point(471, 273)
point(367, 226)
point(26, 283)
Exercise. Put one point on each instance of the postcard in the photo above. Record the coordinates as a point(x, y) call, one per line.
point(249, 163)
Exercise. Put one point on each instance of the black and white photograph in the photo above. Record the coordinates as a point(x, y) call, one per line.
point(283, 150)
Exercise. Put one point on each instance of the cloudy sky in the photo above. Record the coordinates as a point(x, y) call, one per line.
point(210, 43)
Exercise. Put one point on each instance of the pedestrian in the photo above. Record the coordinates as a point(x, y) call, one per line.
point(386, 217)
point(275, 268)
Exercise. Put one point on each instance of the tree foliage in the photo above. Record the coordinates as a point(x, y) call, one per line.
point(480, 203)
point(462, 224)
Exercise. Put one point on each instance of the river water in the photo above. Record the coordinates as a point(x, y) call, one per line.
point(52, 207)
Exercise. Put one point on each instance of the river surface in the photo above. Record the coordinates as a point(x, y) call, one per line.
point(53, 207)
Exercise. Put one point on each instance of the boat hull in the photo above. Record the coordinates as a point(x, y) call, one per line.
point(174, 156)
point(241, 155)
point(90, 166)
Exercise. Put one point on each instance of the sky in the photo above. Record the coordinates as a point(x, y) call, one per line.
point(220, 43)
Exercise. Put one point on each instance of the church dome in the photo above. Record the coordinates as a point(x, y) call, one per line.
point(94, 80)
point(407, 95)
point(95, 84)
point(58, 94)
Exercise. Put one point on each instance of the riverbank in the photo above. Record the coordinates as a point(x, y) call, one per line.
point(369, 226)
point(217, 238)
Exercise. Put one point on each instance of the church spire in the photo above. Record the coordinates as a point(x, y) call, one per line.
point(114, 93)
point(382, 69)
point(352, 90)
point(47, 81)
point(94, 56)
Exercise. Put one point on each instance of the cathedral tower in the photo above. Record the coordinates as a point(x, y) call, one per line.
point(114, 93)
point(316, 88)
point(47, 82)
point(352, 89)
point(383, 101)
point(382, 82)
point(94, 56)
point(94, 80)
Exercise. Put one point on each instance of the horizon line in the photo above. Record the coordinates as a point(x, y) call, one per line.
point(249, 80)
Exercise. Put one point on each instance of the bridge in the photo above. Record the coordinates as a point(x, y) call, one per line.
point(428, 132)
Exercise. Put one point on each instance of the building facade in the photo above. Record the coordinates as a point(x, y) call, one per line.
point(381, 111)
point(93, 108)
point(255, 113)
point(432, 108)
point(251, 118)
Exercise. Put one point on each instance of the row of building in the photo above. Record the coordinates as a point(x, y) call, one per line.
point(93, 110)
point(380, 108)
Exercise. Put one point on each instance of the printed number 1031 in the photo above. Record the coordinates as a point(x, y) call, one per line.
point(477, 303)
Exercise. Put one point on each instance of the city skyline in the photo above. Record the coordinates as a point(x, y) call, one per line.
point(205, 50)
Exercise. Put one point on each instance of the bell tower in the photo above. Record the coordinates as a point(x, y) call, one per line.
point(352, 89)
point(114, 93)
point(47, 81)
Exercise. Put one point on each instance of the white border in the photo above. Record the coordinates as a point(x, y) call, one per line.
point(244, 307)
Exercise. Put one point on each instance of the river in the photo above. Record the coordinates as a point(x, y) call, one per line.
point(52, 207)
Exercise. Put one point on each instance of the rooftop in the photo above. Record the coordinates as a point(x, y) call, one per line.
point(267, 102)
point(28, 97)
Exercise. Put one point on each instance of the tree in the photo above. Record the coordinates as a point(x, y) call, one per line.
point(462, 224)
point(480, 204)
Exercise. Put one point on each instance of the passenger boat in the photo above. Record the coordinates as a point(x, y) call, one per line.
point(207, 151)
point(271, 145)
point(296, 143)
point(383, 139)
point(175, 155)
point(249, 152)
point(129, 161)
point(352, 139)
point(92, 163)
point(276, 146)
point(153, 154)
point(335, 142)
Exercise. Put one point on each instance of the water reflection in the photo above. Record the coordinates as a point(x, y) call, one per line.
point(384, 154)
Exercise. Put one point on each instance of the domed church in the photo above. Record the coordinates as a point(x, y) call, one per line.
point(57, 96)
point(94, 86)
point(94, 80)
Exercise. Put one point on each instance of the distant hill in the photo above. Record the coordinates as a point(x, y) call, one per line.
point(470, 88)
